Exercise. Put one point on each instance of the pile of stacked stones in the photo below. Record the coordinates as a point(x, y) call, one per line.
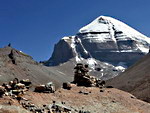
point(33, 108)
point(82, 78)
point(52, 108)
point(48, 88)
point(15, 88)
point(58, 108)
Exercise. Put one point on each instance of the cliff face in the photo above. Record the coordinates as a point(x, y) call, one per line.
point(62, 53)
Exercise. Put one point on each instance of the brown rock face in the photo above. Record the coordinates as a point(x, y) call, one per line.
point(62, 53)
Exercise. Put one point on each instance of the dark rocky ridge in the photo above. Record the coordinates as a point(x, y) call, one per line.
point(62, 53)
point(110, 51)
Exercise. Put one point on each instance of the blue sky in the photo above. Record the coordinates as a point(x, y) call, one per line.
point(34, 26)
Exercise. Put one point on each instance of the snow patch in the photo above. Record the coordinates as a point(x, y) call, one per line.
point(60, 72)
point(115, 29)
point(128, 50)
point(142, 48)
point(102, 70)
point(91, 62)
point(73, 45)
point(121, 66)
point(77, 59)
point(106, 63)
point(65, 38)
point(82, 46)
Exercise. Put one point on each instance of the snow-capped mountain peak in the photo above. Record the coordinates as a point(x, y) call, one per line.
point(104, 29)
point(105, 39)
point(106, 24)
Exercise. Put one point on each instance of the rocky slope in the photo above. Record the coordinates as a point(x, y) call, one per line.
point(14, 63)
point(136, 79)
point(89, 99)
point(103, 41)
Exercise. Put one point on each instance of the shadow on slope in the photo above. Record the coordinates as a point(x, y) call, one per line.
point(136, 79)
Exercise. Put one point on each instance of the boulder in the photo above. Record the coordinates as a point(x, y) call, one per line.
point(67, 85)
point(40, 88)
point(50, 87)
point(2, 91)
point(26, 82)
point(19, 86)
point(16, 92)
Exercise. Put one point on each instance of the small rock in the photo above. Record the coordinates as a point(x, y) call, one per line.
point(86, 93)
point(132, 97)
point(113, 101)
point(109, 86)
point(101, 90)
point(67, 85)
point(80, 92)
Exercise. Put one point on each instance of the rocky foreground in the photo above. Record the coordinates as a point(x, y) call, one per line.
point(71, 98)
point(79, 100)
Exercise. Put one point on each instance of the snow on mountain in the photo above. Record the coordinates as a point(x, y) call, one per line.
point(108, 24)
point(105, 29)
point(110, 40)
point(105, 44)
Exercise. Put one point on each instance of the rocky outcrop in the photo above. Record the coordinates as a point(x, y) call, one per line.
point(62, 53)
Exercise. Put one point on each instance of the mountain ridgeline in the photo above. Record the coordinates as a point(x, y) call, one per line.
point(104, 40)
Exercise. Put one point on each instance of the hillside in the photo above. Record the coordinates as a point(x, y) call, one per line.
point(135, 80)
point(16, 64)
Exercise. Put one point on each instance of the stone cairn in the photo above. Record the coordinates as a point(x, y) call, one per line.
point(82, 77)
point(48, 88)
point(15, 88)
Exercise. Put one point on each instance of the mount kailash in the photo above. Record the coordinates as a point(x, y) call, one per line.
point(108, 45)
